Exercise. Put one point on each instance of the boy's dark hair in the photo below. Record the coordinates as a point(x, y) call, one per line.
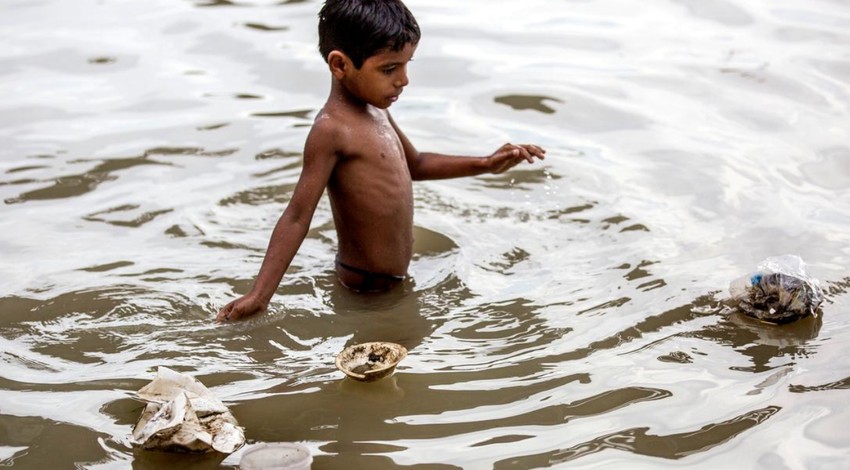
point(361, 28)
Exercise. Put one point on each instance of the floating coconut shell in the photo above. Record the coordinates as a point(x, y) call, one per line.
point(369, 362)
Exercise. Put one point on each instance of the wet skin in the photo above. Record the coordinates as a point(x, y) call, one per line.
point(367, 164)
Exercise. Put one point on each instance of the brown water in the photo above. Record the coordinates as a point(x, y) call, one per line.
point(567, 314)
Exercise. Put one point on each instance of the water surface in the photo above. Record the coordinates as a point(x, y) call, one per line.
point(567, 314)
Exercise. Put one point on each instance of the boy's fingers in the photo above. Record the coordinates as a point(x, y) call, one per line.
point(536, 151)
point(526, 155)
point(540, 152)
point(508, 153)
point(224, 313)
point(519, 152)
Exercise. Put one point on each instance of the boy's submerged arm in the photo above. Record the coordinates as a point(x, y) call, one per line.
point(320, 157)
point(425, 166)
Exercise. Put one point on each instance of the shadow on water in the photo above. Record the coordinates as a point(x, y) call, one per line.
point(356, 419)
point(762, 342)
point(843, 384)
point(346, 414)
point(638, 441)
point(77, 185)
point(523, 102)
point(358, 422)
point(109, 322)
point(39, 436)
point(564, 321)
point(105, 170)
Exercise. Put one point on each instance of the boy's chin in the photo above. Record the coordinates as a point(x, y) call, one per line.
point(385, 103)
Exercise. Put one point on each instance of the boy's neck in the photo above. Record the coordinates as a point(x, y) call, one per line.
point(341, 94)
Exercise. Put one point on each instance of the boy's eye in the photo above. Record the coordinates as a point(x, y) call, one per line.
point(389, 70)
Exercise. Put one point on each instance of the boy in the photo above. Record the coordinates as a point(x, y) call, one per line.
point(360, 155)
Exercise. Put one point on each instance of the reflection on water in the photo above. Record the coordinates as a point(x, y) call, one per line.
point(521, 102)
point(638, 441)
point(570, 314)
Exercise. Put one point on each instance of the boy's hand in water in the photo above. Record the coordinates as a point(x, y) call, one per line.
point(242, 307)
point(510, 155)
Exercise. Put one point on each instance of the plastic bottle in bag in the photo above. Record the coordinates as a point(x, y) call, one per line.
point(780, 291)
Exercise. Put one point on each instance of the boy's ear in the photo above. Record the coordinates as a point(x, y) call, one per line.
point(339, 63)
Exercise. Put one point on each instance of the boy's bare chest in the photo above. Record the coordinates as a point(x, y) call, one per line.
point(379, 143)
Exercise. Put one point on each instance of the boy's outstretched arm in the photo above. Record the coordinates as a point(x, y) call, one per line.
point(429, 166)
point(320, 157)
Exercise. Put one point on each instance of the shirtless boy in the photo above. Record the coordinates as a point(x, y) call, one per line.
point(356, 151)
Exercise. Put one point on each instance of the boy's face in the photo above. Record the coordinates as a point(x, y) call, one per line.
point(382, 77)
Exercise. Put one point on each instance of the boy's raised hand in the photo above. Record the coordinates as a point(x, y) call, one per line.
point(242, 307)
point(510, 155)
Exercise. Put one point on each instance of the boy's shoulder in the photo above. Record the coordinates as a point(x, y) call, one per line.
point(332, 131)
point(342, 124)
point(329, 123)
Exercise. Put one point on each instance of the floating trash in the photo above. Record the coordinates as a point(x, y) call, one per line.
point(780, 291)
point(276, 456)
point(182, 415)
point(369, 362)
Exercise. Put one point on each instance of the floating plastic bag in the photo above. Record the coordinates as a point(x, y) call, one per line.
point(779, 291)
point(182, 415)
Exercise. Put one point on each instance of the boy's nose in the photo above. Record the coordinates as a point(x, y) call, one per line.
point(402, 79)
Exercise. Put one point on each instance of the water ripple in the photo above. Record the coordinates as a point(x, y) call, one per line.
point(555, 313)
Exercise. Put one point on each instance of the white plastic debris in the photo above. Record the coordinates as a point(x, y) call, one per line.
point(276, 456)
point(182, 415)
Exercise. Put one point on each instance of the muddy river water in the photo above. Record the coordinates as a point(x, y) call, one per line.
point(568, 314)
